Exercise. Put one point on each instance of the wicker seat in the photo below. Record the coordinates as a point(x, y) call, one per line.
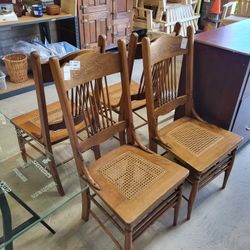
point(203, 148)
point(134, 184)
point(46, 124)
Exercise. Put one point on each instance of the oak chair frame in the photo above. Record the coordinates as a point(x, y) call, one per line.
point(162, 97)
point(104, 128)
point(43, 75)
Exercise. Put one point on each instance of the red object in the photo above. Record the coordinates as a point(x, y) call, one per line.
point(216, 7)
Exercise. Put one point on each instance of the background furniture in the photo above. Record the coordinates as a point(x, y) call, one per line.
point(110, 18)
point(28, 192)
point(67, 30)
point(229, 16)
point(222, 77)
point(159, 16)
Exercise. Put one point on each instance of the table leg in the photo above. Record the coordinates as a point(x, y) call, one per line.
point(35, 215)
point(7, 223)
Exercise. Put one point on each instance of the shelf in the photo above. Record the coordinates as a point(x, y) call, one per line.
point(17, 88)
point(68, 12)
point(26, 20)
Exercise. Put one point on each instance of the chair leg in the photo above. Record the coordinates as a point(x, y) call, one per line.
point(192, 197)
point(128, 239)
point(97, 152)
point(85, 205)
point(21, 143)
point(228, 171)
point(53, 171)
point(177, 206)
point(152, 145)
point(122, 138)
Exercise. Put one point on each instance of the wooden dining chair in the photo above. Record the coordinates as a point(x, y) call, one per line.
point(46, 124)
point(203, 148)
point(135, 185)
point(137, 89)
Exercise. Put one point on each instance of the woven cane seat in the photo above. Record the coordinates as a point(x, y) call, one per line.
point(135, 180)
point(194, 138)
point(131, 174)
point(30, 123)
point(198, 144)
point(115, 95)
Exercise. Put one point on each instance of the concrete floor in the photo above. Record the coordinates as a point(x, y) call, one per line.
point(220, 219)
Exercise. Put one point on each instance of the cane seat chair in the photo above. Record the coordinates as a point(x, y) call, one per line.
point(135, 185)
point(46, 124)
point(204, 149)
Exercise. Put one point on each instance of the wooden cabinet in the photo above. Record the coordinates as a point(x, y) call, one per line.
point(109, 17)
point(222, 77)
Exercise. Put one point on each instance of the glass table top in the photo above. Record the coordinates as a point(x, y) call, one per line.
point(30, 181)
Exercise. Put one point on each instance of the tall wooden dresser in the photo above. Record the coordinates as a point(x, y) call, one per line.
point(222, 77)
point(112, 18)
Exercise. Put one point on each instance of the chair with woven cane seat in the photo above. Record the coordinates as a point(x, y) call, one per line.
point(135, 185)
point(204, 149)
point(137, 89)
point(46, 124)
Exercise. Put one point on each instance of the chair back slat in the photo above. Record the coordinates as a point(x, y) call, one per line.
point(171, 105)
point(92, 66)
point(102, 136)
point(166, 47)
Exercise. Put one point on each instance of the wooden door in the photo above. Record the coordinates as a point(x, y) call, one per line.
point(121, 19)
point(121, 29)
point(120, 7)
point(112, 18)
point(94, 25)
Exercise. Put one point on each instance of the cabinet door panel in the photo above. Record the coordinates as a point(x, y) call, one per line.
point(121, 6)
point(94, 25)
point(121, 29)
point(90, 6)
point(104, 17)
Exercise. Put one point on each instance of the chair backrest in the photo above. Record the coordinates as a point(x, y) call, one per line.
point(244, 8)
point(160, 72)
point(43, 75)
point(137, 54)
point(93, 99)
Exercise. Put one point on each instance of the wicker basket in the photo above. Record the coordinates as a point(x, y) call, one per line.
point(17, 67)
